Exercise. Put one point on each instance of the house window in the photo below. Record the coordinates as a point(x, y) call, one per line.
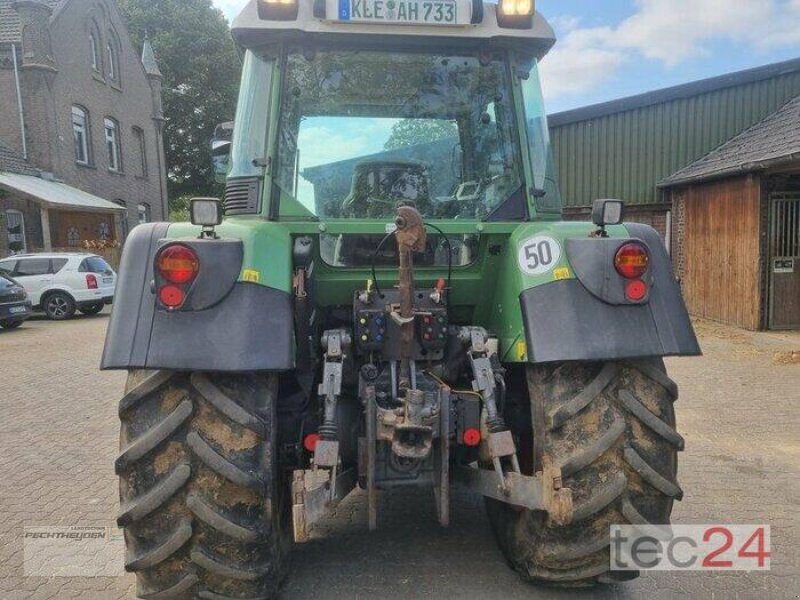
point(144, 213)
point(80, 134)
point(15, 226)
point(112, 61)
point(95, 53)
point(138, 134)
point(112, 145)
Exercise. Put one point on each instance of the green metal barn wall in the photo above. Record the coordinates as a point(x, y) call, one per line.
point(625, 154)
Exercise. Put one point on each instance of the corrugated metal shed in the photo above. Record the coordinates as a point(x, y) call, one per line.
point(622, 149)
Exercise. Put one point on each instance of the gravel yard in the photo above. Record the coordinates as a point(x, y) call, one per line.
point(739, 411)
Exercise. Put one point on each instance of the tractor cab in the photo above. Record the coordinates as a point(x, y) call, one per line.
point(349, 107)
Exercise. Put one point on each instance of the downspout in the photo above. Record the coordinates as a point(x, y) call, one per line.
point(19, 102)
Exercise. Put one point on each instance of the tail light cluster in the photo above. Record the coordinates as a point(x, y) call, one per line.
point(632, 262)
point(91, 281)
point(177, 266)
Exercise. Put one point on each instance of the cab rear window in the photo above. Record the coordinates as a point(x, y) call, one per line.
point(94, 264)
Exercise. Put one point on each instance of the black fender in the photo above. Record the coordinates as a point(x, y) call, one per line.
point(589, 318)
point(224, 325)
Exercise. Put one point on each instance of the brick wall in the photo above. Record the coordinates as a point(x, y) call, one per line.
point(9, 109)
point(679, 232)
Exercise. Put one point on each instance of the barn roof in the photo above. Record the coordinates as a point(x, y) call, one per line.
point(686, 90)
point(771, 142)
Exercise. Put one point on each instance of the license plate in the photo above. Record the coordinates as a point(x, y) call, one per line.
point(14, 310)
point(108, 280)
point(413, 12)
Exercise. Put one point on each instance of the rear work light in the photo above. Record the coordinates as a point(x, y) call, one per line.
point(632, 260)
point(91, 281)
point(516, 8)
point(178, 264)
point(277, 10)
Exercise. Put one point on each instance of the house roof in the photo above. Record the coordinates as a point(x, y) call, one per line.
point(771, 142)
point(13, 162)
point(54, 194)
point(669, 94)
point(9, 21)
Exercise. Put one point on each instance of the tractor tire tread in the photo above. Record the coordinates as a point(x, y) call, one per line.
point(159, 554)
point(154, 437)
point(611, 430)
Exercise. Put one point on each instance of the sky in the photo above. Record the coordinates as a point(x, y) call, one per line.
point(610, 49)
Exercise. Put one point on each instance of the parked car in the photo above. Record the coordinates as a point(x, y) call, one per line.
point(61, 283)
point(15, 306)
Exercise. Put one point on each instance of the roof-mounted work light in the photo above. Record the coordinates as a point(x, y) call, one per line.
point(277, 10)
point(515, 14)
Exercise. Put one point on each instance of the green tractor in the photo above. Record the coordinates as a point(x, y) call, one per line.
point(390, 299)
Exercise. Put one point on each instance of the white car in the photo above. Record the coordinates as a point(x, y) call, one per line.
point(62, 282)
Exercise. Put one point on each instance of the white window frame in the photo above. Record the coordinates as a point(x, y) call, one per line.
point(80, 135)
point(111, 129)
point(143, 213)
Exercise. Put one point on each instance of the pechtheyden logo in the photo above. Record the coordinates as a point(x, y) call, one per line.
point(690, 548)
point(73, 551)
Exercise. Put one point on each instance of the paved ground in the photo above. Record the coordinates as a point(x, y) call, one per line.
point(739, 412)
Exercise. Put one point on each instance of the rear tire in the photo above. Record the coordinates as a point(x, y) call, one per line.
point(92, 309)
point(58, 306)
point(611, 429)
point(203, 505)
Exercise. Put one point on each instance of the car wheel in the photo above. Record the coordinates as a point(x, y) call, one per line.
point(91, 309)
point(59, 306)
point(10, 324)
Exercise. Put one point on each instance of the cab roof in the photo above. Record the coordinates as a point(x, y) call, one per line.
point(249, 30)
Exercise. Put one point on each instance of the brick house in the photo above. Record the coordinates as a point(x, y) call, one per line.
point(81, 123)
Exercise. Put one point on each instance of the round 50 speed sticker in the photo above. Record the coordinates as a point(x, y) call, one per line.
point(538, 255)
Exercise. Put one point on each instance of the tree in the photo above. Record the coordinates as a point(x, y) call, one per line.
point(201, 67)
point(410, 132)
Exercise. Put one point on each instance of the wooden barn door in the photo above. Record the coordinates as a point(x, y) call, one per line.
point(784, 303)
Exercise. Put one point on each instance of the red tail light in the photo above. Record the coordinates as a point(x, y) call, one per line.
point(91, 281)
point(632, 260)
point(178, 264)
point(171, 296)
point(636, 290)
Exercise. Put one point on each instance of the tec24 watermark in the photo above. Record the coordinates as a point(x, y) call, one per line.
point(690, 548)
